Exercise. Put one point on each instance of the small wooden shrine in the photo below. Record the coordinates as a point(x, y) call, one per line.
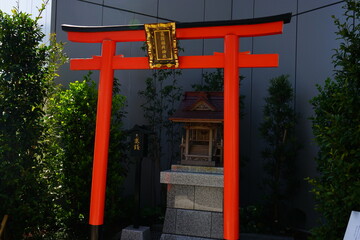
point(202, 141)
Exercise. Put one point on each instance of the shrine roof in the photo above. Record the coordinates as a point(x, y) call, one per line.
point(200, 107)
point(286, 18)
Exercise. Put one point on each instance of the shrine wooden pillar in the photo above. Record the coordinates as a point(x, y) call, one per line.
point(231, 60)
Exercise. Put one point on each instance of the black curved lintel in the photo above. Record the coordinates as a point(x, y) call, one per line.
point(286, 18)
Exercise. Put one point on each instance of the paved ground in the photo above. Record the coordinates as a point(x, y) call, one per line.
point(155, 234)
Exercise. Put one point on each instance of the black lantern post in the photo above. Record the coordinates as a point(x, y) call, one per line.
point(139, 145)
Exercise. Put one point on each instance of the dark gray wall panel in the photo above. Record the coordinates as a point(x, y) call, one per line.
point(243, 9)
point(92, 1)
point(210, 46)
point(284, 45)
point(265, 8)
point(147, 7)
point(132, 81)
point(114, 16)
point(216, 10)
point(316, 39)
point(182, 11)
point(306, 5)
point(190, 76)
point(77, 13)
point(213, 45)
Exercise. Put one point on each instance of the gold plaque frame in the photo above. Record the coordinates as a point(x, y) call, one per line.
point(162, 45)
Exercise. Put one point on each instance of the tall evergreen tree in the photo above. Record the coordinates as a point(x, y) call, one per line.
point(278, 129)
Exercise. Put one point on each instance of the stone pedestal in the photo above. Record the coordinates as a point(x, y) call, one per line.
point(131, 233)
point(194, 203)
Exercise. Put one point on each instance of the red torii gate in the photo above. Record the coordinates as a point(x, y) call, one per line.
point(231, 60)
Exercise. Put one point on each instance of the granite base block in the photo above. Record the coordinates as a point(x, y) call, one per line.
point(217, 223)
point(201, 169)
point(181, 237)
point(194, 203)
point(170, 221)
point(208, 199)
point(193, 223)
point(196, 223)
point(192, 178)
point(131, 233)
point(181, 196)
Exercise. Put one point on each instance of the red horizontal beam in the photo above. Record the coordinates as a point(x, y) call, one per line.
point(251, 30)
point(98, 37)
point(211, 61)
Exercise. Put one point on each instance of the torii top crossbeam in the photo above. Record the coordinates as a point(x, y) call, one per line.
point(231, 60)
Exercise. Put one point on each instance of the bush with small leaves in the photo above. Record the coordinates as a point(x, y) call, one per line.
point(71, 117)
point(27, 70)
point(336, 126)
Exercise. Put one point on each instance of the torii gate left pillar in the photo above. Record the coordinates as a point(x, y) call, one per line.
point(231, 60)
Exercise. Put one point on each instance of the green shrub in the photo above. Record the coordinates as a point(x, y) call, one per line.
point(71, 115)
point(213, 82)
point(252, 219)
point(278, 130)
point(27, 70)
point(336, 128)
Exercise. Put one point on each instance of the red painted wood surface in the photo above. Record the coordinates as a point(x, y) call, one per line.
point(231, 138)
point(212, 61)
point(102, 134)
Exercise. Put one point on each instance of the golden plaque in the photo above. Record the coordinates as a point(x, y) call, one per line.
point(161, 45)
